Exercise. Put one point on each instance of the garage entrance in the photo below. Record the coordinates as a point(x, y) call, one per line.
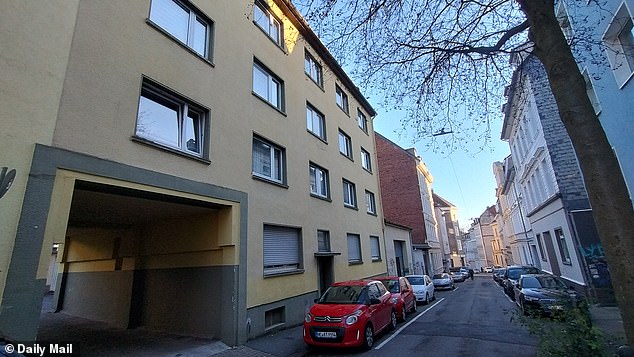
point(134, 258)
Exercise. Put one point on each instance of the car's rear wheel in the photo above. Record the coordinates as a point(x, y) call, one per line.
point(414, 306)
point(368, 337)
point(426, 298)
point(403, 312)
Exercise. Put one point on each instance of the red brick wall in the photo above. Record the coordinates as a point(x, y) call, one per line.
point(400, 192)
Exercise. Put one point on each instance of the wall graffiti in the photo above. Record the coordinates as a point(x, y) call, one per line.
point(6, 180)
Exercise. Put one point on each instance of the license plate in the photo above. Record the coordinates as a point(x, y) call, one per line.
point(326, 334)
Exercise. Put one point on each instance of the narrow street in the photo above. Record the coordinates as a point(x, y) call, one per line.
point(475, 319)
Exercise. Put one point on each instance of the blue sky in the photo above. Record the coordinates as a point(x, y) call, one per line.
point(464, 179)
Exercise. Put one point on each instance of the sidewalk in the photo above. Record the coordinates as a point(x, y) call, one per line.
point(608, 319)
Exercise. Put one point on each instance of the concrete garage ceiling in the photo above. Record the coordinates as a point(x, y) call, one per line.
point(99, 205)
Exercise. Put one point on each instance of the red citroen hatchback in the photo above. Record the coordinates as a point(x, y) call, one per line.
point(350, 314)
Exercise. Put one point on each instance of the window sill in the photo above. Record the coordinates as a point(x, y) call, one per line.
point(346, 156)
point(351, 207)
point(320, 86)
point(168, 149)
point(376, 260)
point(317, 136)
point(356, 262)
point(267, 180)
point(290, 272)
point(372, 214)
point(327, 199)
point(269, 104)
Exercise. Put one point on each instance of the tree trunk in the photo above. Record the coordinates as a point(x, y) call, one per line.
point(611, 205)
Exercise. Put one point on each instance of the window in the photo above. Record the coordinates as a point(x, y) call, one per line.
point(375, 248)
point(563, 246)
point(268, 160)
point(540, 244)
point(370, 203)
point(274, 317)
point(564, 22)
point(281, 249)
point(323, 241)
point(345, 144)
point(619, 39)
point(591, 93)
point(171, 121)
point(354, 248)
point(268, 86)
point(349, 194)
point(363, 121)
point(184, 23)
point(267, 22)
point(319, 181)
point(313, 69)
point(315, 122)
point(341, 98)
point(366, 161)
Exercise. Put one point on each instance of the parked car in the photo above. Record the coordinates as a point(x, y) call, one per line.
point(350, 313)
point(545, 294)
point(423, 288)
point(498, 275)
point(512, 275)
point(458, 277)
point(442, 281)
point(488, 269)
point(402, 295)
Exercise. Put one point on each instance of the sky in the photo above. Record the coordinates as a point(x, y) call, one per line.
point(464, 179)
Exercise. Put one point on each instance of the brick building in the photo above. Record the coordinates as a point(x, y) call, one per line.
point(405, 184)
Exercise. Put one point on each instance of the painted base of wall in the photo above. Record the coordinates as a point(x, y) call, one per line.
point(294, 311)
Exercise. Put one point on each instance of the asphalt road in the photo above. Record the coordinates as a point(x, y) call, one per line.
point(475, 319)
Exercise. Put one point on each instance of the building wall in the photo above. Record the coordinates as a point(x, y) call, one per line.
point(614, 92)
point(395, 234)
point(88, 101)
point(29, 96)
point(400, 187)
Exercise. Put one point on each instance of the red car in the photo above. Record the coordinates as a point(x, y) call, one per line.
point(350, 314)
point(402, 295)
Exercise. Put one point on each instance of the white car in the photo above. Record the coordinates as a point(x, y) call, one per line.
point(423, 287)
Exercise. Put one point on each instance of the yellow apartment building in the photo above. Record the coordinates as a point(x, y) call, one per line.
point(198, 167)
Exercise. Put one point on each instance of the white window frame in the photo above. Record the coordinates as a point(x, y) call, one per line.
point(349, 194)
point(592, 94)
point(362, 121)
point(195, 16)
point(153, 94)
point(281, 250)
point(318, 174)
point(370, 202)
point(560, 236)
point(354, 248)
point(274, 86)
point(620, 55)
point(341, 98)
point(313, 69)
point(366, 160)
point(315, 122)
point(323, 241)
point(277, 161)
point(267, 22)
point(375, 248)
point(345, 144)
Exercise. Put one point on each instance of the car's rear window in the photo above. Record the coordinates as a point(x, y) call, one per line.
point(415, 280)
point(392, 285)
point(438, 276)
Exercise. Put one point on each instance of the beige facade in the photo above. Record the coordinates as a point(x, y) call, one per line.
point(134, 208)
